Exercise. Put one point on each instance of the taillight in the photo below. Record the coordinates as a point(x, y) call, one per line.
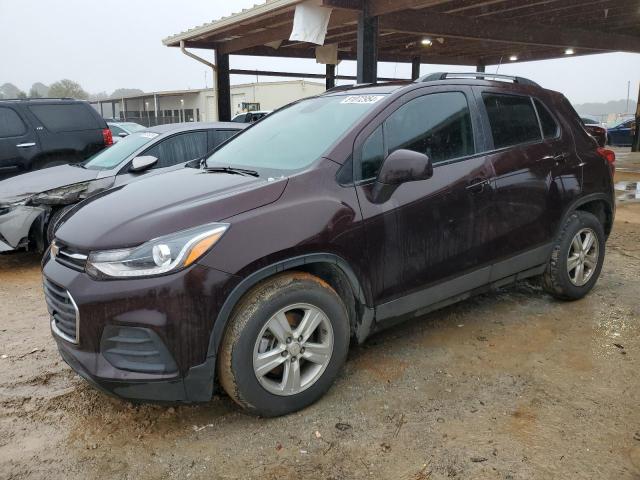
point(609, 156)
point(107, 136)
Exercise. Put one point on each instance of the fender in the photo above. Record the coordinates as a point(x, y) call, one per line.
point(576, 204)
point(247, 283)
point(199, 381)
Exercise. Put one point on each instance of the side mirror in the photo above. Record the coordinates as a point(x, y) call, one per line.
point(140, 164)
point(400, 167)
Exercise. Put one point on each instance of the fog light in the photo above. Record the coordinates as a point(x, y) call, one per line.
point(162, 255)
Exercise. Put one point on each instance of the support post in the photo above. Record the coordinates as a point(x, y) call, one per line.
point(636, 137)
point(223, 81)
point(415, 68)
point(480, 68)
point(367, 46)
point(331, 76)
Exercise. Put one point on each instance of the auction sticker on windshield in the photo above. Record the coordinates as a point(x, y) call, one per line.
point(363, 99)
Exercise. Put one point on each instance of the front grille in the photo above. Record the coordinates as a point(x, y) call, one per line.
point(69, 257)
point(63, 311)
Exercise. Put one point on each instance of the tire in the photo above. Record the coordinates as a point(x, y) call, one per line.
point(250, 333)
point(567, 284)
point(55, 222)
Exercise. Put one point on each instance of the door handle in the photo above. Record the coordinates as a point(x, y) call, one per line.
point(26, 145)
point(560, 157)
point(477, 185)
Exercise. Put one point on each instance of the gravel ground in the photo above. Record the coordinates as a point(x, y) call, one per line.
point(512, 385)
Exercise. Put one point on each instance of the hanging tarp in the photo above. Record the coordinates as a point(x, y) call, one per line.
point(310, 22)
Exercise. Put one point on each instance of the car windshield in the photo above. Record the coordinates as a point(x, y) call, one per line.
point(117, 153)
point(293, 138)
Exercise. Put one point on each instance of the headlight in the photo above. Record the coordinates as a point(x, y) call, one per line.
point(71, 193)
point(156, 257)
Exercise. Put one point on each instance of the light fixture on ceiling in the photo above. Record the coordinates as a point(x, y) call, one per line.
point(569, 51)
point(513, 58)
point(427, 42)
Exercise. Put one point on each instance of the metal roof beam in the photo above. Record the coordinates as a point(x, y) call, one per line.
point(508, 32)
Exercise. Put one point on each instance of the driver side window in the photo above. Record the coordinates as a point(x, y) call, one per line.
point(437, 125)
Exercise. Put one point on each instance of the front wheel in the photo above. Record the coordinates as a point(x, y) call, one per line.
point(577, 257)
point(284, 345)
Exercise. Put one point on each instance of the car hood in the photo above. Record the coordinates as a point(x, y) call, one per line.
point(140, 211)
point(22, 187)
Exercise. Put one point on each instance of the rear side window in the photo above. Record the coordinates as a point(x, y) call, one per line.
point(179, 149)
point(71, 117)
point(550, 128)
point(11, 124)
point(513, 119)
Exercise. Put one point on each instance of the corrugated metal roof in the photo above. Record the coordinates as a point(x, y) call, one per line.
point(258, 10)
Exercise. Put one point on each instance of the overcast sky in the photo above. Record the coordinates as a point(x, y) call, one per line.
point(118, 44)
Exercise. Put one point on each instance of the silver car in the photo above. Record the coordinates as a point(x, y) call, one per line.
point(32, 204)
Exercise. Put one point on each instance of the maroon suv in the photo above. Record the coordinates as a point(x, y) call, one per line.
point(326, 221)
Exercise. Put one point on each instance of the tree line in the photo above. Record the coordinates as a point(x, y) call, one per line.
point(64, 88)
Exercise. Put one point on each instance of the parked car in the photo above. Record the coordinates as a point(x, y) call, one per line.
point(325, 222)
point(622, 134)
point(124, 129)
point(42, 133)
point(31, 205)
point(250, 117)
point(596, 130)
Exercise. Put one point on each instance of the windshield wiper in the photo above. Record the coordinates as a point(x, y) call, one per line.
point(232, 170)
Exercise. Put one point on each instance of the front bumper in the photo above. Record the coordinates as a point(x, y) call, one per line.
point(15, 224)
point(143, 339)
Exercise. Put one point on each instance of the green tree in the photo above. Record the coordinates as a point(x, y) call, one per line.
point(33, 93)
point(21, 94)
point(67, 88)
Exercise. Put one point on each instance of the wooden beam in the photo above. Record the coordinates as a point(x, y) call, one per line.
point(383, 7)
point(338, 19)
point(344, 4)
point(508, 32)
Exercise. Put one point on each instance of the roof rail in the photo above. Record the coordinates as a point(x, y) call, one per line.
point(433, 77)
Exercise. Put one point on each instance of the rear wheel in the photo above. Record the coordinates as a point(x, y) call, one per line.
point(284, 345)
point(577, 257)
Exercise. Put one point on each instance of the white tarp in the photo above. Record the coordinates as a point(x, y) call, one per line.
point(310, 22)
point(327, 54)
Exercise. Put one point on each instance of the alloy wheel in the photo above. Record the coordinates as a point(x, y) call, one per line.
point(583, 257)
point(293, 349)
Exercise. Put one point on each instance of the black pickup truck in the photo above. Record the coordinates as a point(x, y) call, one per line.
point(41, 133)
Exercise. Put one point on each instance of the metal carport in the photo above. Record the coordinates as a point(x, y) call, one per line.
point(459, 32)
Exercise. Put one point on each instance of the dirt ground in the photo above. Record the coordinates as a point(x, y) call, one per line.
point(512, 385)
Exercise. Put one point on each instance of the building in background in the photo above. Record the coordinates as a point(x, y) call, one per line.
point(159, 108)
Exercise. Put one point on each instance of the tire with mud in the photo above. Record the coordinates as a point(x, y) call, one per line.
point(285, 344)
point(577, 257)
